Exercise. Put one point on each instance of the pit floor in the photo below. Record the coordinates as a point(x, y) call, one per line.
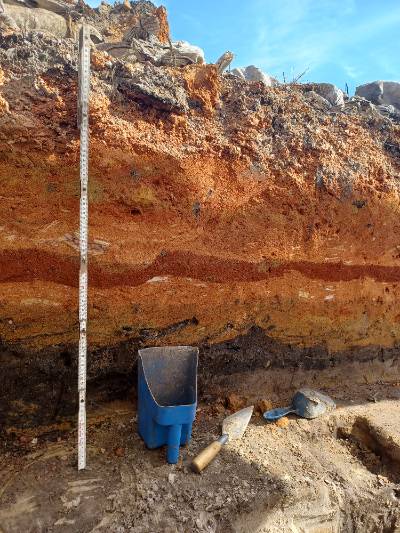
point(337, 473)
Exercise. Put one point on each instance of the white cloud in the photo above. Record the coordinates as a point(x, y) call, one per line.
point(352, 72)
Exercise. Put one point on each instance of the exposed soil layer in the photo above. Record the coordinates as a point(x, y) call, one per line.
point(25, 265)
point(248, 220)
point(251, 208)
point(41, 388)
point(254, 222)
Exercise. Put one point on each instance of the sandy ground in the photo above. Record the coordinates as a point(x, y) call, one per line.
point(338, 473)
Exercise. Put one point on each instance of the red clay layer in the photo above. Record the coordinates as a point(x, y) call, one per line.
point(29, 265)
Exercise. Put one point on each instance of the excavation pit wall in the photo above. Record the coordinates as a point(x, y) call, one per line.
point(243, 219)
point(258, 223)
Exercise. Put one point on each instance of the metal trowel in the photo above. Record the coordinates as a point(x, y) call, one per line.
point(306, 403)
point(233, 427)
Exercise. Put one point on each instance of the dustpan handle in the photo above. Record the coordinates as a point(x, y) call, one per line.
point(276, 414)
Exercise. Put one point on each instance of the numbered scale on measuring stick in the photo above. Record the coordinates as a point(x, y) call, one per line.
point(83, 125)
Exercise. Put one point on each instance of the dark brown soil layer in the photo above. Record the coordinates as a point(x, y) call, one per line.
point(40, 388)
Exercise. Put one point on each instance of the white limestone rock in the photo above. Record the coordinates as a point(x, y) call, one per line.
point(253, 73)
point(330, 92)
point(381, 93)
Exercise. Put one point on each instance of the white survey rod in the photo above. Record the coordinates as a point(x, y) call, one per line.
point(83, 124)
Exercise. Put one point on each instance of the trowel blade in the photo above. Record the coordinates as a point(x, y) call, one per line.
point(235, 425)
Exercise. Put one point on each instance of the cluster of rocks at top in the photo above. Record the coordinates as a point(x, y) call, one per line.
point(146, 42)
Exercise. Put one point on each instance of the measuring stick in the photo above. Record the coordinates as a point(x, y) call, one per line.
point(83, 124)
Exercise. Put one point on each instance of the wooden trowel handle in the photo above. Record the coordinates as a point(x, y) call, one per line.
point(208, 454)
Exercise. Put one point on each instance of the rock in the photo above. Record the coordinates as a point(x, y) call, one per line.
point(152, 86)
point(364, 107)
point(55, 6)
point(317, 100)
point(179, 53)
point(330, 92)
point(27, 19)
point(381, 92)
point(252, 73)
point(224, 61)
point(360, 104)
point(148, 40)
point(129, 52)
point(239, 72)
point(147, 26)
point(7, 23)
point(148, 21)
point(104, 8)
point(182, 53)
point(387, 110)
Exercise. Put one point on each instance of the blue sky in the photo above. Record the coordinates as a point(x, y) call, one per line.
point(353, 41)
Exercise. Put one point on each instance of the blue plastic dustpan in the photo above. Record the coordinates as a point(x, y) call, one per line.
point(167, 396)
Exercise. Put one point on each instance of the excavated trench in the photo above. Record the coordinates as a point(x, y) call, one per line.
point(374, 452)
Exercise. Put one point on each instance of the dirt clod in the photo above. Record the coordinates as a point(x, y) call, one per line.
point(234, 402)
point(283, 422)
point(262, 405)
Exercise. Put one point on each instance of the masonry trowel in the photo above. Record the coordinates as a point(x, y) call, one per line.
point(233, 427)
